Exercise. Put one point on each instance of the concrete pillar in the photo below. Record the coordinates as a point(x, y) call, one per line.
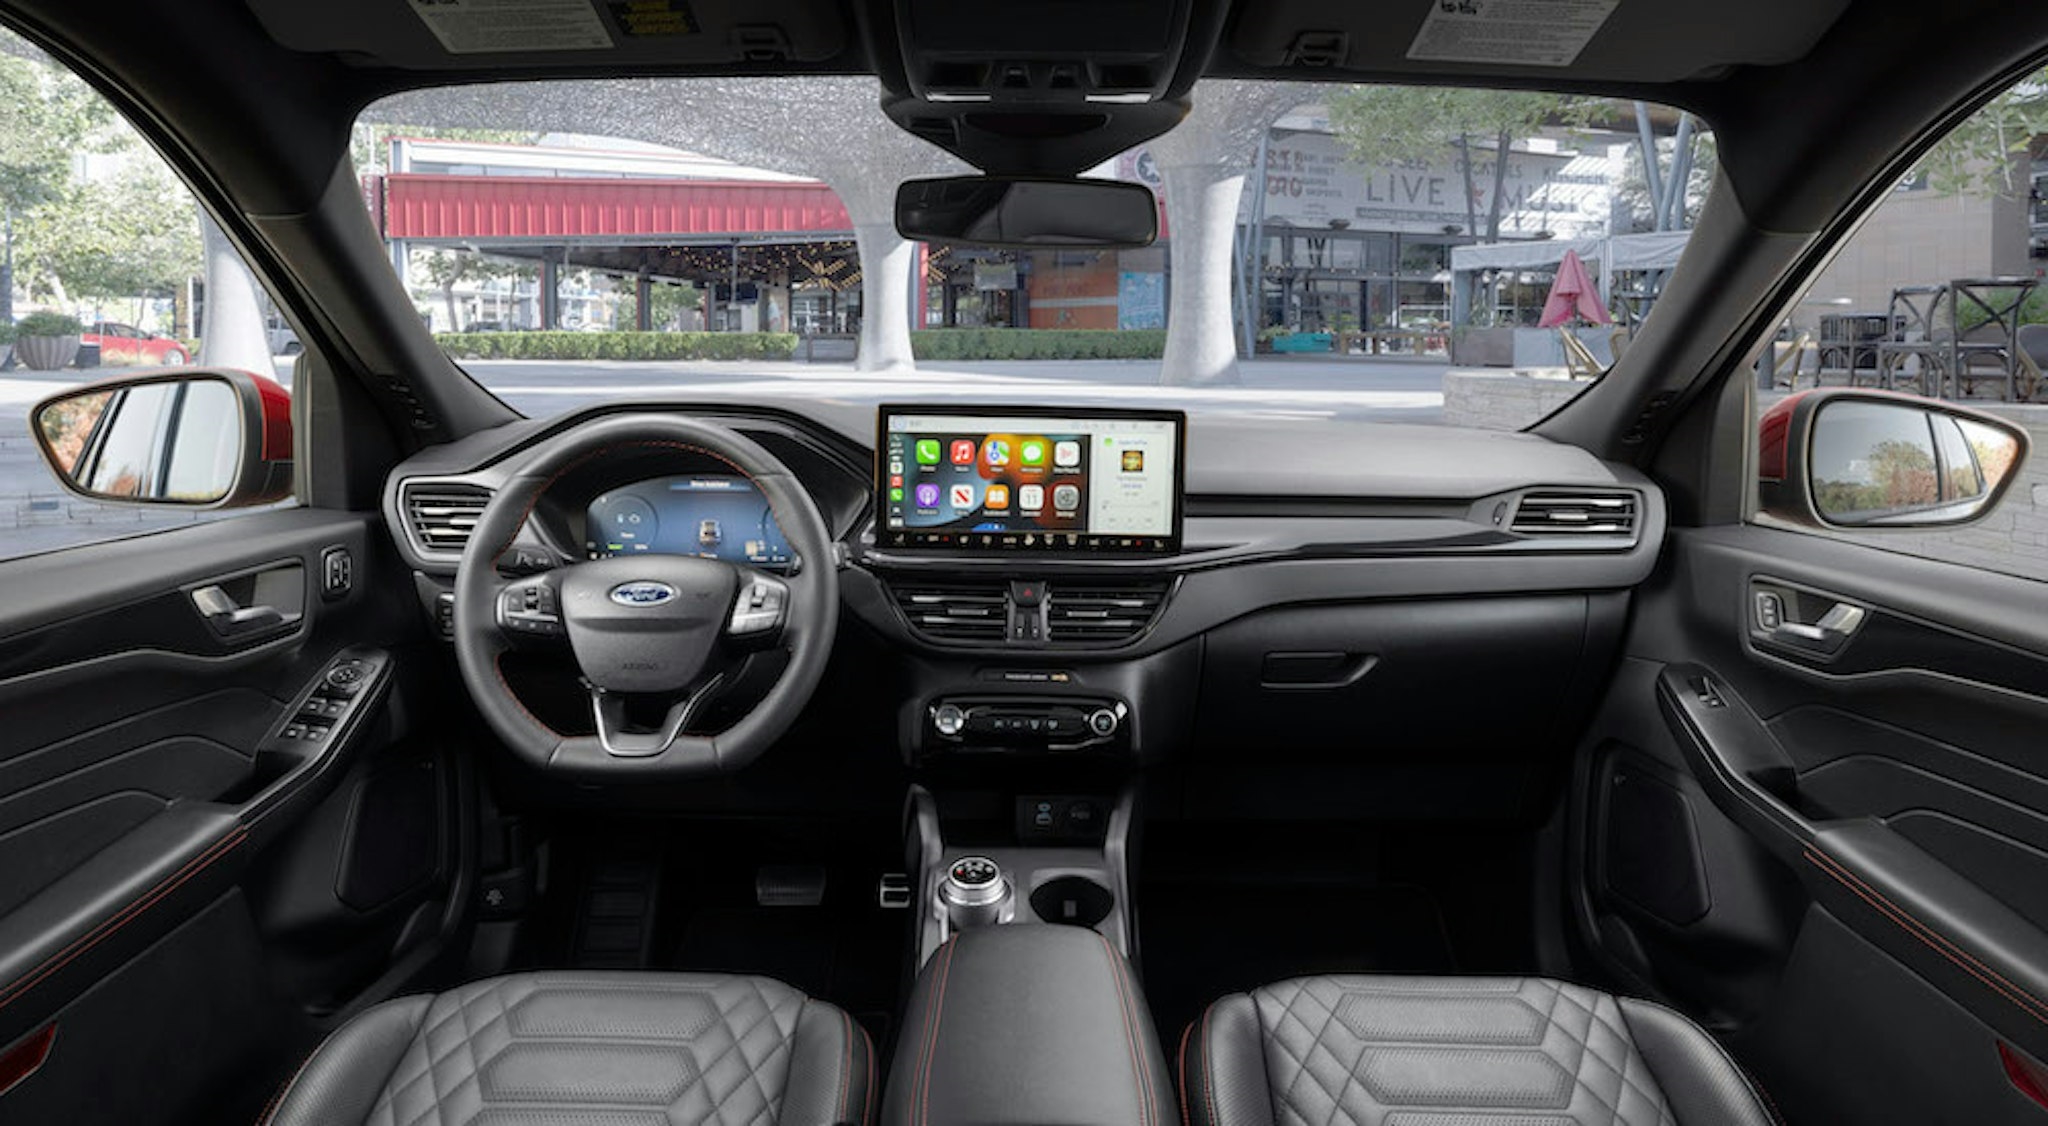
point(550, 288)
point(1201, 213)
point(885, 281)
point(231, 334)
point(643, 296)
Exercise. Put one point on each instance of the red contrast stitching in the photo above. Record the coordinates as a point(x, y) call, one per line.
point(498, 668)
point(846, 1073)
point(867, 1100)
point(284, 1092)
point(1141, 1068)
point(933, 1009)
point(534, 501)
point(122, 918)
point(1180, 1061)
point(1934, 940)
point(1208, 1073)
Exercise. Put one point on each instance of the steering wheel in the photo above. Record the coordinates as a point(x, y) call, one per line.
point(650, 633)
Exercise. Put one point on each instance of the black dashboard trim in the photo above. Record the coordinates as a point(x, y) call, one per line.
point(1241, 553)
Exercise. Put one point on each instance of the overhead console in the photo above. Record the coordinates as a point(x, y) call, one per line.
point(1053, 87)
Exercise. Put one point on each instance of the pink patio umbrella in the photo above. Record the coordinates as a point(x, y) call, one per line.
point(1573, 294)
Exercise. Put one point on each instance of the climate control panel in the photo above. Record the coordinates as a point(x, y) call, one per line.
point(1022, 723)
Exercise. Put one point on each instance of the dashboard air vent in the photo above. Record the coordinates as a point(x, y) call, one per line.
point(1100, 612)
point(1577, 513)
point(955, 611)
point(442, 515)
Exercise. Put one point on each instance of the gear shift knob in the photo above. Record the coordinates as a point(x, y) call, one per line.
point(975, 892)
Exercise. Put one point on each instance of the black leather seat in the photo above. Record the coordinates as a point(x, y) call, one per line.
point(580, 1049)
point(1442, 1051)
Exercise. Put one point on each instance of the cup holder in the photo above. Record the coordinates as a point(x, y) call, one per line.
point(1073, 900)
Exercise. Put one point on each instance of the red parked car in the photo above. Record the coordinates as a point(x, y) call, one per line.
point(111, 344)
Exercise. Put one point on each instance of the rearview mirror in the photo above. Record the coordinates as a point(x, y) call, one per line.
point(1027, 214)
point(215, 438)
point(1872, 459)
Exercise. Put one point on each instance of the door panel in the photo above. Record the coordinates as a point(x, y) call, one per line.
point(1883, 770)
point(157, 787)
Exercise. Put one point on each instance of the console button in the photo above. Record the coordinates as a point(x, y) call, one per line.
point(1102, 722)
point(949, 720)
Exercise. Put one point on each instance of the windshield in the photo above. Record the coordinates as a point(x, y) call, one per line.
point(1417, 255)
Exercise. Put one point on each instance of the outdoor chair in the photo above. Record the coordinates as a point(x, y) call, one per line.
point(1915, 313)
point(2033, 352)
point(1987, 351)
point(1617, 341)
point(1846, 345)
point(1579, 360)
point(1789, 358)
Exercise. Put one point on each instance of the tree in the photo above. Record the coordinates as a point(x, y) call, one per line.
point(51, 114)
point(447, 269)
point(1987, 154)
point(665, 305)
point(131, 234)
point(1400, 125)
point(1635, 210)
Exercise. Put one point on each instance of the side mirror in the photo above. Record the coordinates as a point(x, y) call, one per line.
point(1843, 458)
point(213, 438)
point(1013, 211)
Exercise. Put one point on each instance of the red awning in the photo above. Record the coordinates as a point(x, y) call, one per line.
point(484, 208)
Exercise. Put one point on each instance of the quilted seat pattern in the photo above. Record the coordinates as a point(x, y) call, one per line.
point(590, 1049)
point(1437, 1052)
point(1386, 1050)
point(714, 1053)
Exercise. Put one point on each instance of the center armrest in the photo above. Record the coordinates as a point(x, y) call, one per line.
point(1026, 1025)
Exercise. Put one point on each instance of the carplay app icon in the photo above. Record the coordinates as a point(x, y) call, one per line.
point(927, 496)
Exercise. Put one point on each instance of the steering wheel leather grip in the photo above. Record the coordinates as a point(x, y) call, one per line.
point(808, 619)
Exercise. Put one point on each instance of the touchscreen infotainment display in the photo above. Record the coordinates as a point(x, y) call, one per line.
point(977, 478)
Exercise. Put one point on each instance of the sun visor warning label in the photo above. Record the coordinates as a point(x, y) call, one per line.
point(646, 19)
point(477, 27)
point(1518, 32)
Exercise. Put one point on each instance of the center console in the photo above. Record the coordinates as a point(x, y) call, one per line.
point(1065, 863)
point(1028, 1025)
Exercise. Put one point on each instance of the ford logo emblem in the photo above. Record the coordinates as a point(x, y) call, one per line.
point(642, 593)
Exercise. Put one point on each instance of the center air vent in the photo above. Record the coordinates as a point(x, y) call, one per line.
point(1058, 613)
point(956, 611)
point(1577, 513)
point(441, 515)
point(1101, 613)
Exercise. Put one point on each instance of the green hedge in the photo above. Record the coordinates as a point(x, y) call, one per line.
point(618, 345)
point(1038, 344)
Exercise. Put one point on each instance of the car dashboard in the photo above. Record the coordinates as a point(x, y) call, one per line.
point(1359, 586)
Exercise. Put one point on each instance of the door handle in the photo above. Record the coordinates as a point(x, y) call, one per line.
point(1826, 635)
point(230, 620)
